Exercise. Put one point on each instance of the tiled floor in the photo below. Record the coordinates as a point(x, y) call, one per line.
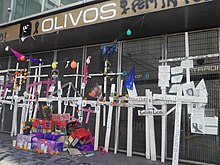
point(10, 155)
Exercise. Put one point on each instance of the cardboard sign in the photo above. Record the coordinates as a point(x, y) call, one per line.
point(204, 125)
point(150, 112)
point(61, 117)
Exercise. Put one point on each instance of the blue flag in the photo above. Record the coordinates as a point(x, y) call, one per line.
point(130, 80)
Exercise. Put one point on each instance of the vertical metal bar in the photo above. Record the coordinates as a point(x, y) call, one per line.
point(187, 55)
point(218, 88)
point(129, 130)
point(164, 108)
point(119, 91)
point(9, 62)
point(187, 69)
point(3, 117)
point(12, 10)
point(55, 56)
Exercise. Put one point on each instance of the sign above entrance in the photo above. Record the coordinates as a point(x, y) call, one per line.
point(93, 14)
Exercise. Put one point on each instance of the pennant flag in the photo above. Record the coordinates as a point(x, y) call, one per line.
point(22, 57)
point(86, 70)
point(17, 54)
point(130, 80)
point(34, 60)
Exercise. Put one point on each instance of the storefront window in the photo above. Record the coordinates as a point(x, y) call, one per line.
point(25, 8)
point(4, 12)
point(50, 4)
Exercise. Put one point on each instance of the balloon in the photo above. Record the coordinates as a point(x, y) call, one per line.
point(128, 32)
point(88, 60)
point(7, 48)
point(124, 73)
point(54, 65)
point(73, 64)
point(22, 58)
point(104, 50)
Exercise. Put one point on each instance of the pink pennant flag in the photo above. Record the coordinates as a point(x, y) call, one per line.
point(86, 71)
point(17, 54)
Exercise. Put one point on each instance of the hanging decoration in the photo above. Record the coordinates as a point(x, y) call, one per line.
point(54, 65)
point(109, 49)
point(34, 60)
point(17, 54)
point(67, 64)
point(129, 32)
point(73, 64)
point(54, 75)
point(22, 57)
point(7, 48)
point(54, 72)
point(86, 70)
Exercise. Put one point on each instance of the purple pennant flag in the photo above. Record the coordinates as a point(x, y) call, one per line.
point(34, 60)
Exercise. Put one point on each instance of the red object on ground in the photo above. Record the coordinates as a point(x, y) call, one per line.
point(103, 151)
point(80, 134)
